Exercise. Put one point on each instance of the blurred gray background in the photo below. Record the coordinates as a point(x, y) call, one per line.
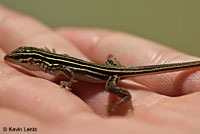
point(175, 23)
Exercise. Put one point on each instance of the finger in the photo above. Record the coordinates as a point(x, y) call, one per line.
point(37, 97)
point(19, 30)
point(20, 120)
point(173, 111)
point(135, 51)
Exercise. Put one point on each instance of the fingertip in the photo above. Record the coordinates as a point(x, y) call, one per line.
point(5, 11)
point(190, 82)
point(83, 29)
point(83, 36)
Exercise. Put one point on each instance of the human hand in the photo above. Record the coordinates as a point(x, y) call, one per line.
point(28, 101)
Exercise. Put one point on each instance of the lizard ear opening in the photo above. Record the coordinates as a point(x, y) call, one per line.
point(31, 61)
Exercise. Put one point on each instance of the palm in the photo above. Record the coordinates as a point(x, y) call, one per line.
point(34, 101)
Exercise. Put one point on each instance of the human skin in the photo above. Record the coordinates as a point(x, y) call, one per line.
point(171, 105)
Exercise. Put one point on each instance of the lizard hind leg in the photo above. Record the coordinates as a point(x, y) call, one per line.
point(121, 92)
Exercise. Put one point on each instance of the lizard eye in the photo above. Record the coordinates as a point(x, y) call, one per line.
point(31, 61)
